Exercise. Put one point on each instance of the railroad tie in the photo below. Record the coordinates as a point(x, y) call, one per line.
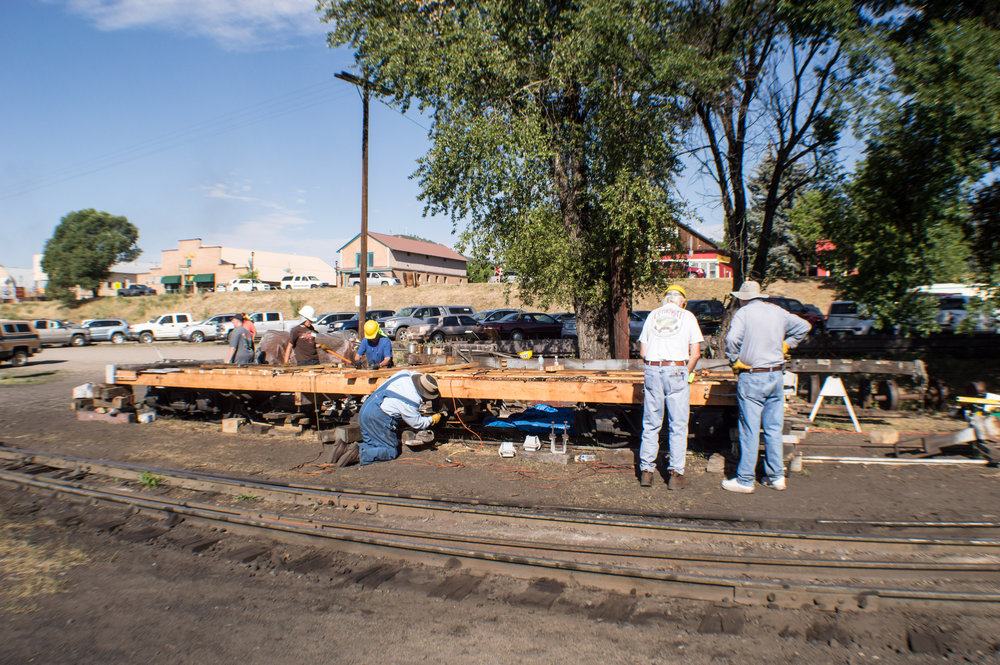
point(373, 577)
point(616, 607)
point(308, 563)
point(543, 592)
point(456, 587)
point(722, 620)
point(248, 553)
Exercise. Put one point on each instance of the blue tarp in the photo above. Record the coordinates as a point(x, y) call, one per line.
point(538, 419)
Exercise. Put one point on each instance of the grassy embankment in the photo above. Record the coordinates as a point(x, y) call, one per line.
point(479, 296)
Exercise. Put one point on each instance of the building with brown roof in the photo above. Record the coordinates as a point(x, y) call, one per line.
point(427, 262)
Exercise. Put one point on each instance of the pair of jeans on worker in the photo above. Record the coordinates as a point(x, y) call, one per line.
point(666, 385)
point(762, 410)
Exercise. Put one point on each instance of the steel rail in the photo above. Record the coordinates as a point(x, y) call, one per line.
point(577, 548)
point(296, 493)
point(738, 589)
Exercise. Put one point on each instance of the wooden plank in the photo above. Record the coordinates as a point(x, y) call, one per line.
point(461, 381)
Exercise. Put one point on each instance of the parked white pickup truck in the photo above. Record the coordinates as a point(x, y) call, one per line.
point(165, 326)
point(267, 321)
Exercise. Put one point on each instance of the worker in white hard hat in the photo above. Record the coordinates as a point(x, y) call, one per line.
point(376, 347)
point(302, 340)
point(671, 345)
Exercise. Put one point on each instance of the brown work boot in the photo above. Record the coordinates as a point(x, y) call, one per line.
point(676, 481)
point(351, 456)
point(336, 452)
point(646, 479)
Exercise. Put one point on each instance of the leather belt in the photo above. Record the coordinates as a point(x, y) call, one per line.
point(779, 368)
point(666, 363)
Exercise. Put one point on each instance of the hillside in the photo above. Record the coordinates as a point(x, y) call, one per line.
point(479, 296)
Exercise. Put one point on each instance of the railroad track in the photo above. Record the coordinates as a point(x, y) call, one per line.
point(713, 557)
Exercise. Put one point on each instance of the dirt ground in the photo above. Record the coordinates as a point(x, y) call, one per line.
point(143, 603)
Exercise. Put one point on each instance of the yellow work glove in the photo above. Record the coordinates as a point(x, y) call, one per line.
point(435, 419)
point(785, 349)
point(690, 377)
point(739, 366)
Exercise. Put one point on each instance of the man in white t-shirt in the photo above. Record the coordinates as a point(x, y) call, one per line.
point(671, 345)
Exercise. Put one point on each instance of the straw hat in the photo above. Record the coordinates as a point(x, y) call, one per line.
point(749, 290)
point(426, 385)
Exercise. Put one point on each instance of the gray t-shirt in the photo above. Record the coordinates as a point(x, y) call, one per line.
point(241, 340)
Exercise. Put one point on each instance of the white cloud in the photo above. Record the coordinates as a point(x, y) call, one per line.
point(234, 24)
point(264, 224)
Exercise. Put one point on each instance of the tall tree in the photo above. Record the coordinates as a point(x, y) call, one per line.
point(552, 140)
point(776, 76)
point(86, 243)
point(794, 233)
point(919, 204)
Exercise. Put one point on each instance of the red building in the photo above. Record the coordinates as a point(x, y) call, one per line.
point(701, 257)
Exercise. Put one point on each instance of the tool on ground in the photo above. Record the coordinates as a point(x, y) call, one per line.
point(525, 355)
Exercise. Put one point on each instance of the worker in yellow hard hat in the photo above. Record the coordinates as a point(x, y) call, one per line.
point(670, 344)
point(376, 347)
point(678, 288)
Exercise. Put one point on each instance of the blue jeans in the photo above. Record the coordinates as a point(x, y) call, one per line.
point(761, 400)
point(379, 442)
point(665, 386)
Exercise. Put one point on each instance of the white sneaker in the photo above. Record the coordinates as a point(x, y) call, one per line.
point(778, 484)
point(734, 485)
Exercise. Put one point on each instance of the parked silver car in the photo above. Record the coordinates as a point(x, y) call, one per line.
point(55, 332)
point(107, 330)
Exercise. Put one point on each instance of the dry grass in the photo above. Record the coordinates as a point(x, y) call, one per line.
point(29, 569)
point(479, 296)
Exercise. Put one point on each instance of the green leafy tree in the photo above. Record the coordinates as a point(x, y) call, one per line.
point(768, 80)
point(795, 229)
point(917, 209)
point(85, 245)
point(552, 140)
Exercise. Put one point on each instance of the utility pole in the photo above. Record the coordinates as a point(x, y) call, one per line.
point(363, 258)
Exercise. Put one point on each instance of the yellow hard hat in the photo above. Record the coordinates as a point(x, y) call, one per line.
point(676, 287)
point(371, 329)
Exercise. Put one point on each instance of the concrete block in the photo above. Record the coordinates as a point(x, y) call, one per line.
point(255, 428)
point(347, 433)
point(287, 430)
point(119, 418)
point(884, 436)
point(232, 425)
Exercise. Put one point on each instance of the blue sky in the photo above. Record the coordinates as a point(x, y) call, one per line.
point(194, 118)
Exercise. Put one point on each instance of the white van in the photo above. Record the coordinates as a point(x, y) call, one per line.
point(301, 282)
point(848, 316)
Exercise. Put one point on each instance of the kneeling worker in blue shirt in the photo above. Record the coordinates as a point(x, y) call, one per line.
point(377, 347)
point(397, 399)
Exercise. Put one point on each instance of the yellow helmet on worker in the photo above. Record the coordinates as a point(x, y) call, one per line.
point(678, 288)
point(371, 329)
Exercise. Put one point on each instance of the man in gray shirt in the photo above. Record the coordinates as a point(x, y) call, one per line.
point(240, 343)
point(760, 335)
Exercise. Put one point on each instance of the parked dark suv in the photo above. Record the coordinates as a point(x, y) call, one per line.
point(709, 314)
point(796, 307)
point(137, 290)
